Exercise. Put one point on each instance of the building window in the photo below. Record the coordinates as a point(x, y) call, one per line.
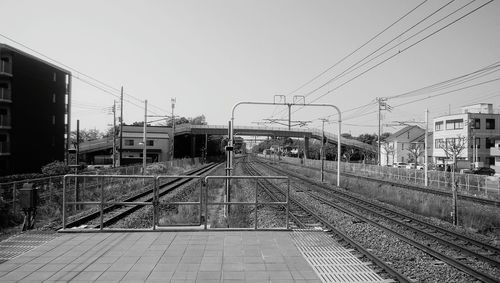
point(438, 126)
point(129, 142)
point(53, 119)
point(490, 143)
point(451, 141)
point(455, 124)
point(149, 142)
point(476, 124)
point(53, 98)
point(438, 143)
point(54, 76)
point(490, 124)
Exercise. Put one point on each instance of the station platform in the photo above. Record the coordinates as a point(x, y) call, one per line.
point(204, 256)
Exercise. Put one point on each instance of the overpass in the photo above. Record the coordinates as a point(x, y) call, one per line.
point(194, 130)
point(271, 131)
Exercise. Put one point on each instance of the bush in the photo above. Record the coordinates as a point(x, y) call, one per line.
point(56, 168)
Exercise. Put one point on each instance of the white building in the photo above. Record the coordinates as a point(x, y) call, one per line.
point(476, 126)
point(157, 143)
point(397, 146)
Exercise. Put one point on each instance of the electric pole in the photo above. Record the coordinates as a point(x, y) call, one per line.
point(144, 152)
point(121, 126)
point(382, 105)
point(172, 100)
point(114, 133)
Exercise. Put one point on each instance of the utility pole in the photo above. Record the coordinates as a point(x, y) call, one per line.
point(144, 152)
point(322, 150)
point(121, 126)
point(382, 105)
point(173, 100)
point(114, 133)
point(426, 144)
point(77, 185)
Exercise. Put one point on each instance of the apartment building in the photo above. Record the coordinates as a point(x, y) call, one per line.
point(34, 112)
point(475, 128)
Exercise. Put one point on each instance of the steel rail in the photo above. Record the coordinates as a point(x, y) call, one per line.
point(332, 229)
point(465, 268)
point(94, 215)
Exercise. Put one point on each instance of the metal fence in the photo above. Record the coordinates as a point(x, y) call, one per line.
point(49, 189)
point(104, 195)
point(467, 184)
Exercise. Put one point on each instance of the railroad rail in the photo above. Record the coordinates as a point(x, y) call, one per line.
point(489, 202)
point(467, 246)
point(304, 218)
point(116, 212)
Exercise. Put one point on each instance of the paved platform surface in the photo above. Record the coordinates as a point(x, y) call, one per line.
point(163, 257)
point(202, 256)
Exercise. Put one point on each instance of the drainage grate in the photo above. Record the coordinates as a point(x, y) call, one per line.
point(20, 244)
point(331, 261)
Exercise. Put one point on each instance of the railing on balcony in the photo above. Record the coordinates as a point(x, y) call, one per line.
point(5, 94)
point(5, 67)
point(4, 148)
point(4, 121)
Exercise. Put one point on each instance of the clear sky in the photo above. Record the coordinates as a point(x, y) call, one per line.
point(210, 55)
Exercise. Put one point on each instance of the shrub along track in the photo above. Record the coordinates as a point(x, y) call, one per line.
point(117, 212)
point(472, 257)
point(302, 217)
point(439, 192)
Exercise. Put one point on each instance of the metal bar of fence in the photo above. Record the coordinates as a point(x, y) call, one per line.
point(256, 205)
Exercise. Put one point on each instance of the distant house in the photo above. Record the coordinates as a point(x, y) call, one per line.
point(397, 146)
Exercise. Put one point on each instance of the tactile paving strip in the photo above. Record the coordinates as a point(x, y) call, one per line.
point(20, 244)
point(331, 261)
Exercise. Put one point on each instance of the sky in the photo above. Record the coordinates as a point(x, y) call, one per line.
point(211, 54)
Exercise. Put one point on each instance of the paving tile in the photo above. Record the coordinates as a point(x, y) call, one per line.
point(160, 275)
point(249, 275)
point(112, 276)
point(210, 267)
point(185, 275)
point(280, 275)
point(276, 266)
point(233, 275)
point(208, 275)
point(164, 267)
point(98, 267)
point(88, 275)
point(135, 276)
point(15, 275)
point(188, 267)
point(120, 267)
point(190, 259)
point(254, 267)
point(232, 266)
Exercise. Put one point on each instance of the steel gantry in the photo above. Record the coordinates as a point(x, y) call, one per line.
point(229, 161)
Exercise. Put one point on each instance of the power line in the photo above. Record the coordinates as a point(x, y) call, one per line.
point(357, 49)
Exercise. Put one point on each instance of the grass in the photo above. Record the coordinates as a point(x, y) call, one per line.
point(479, 218)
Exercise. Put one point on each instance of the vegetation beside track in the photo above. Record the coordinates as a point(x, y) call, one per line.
point(475, 217)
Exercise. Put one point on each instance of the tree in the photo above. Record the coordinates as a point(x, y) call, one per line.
point(198, 120)
point(416, 150)
point(86, 135)
point(389, 150)
point(453, 147)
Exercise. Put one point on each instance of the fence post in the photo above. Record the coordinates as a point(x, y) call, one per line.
point(256, 205)
point(14, 197)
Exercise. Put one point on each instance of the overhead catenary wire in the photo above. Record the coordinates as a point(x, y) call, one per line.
point(403, 50)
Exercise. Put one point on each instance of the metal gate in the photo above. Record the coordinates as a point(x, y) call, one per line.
point(99, 196)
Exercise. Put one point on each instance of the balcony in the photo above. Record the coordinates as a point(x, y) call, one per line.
point(5, 95)
point(4, 148)
point(5, 122)
point(5, 67)
point(495, 151)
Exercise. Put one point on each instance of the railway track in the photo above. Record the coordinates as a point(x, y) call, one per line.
point(116, 212)
point(446, 245)
point(302, 217)
point(484, 201)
